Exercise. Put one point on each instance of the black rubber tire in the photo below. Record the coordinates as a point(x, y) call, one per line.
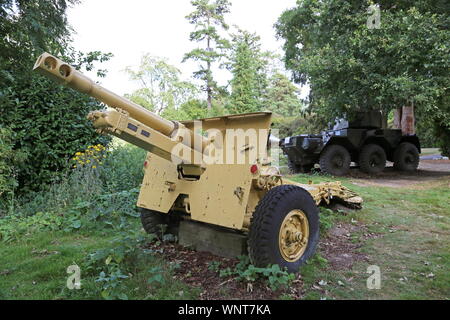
point(293, 168)
point(335, 160)
point(406, 157)
point(372, 159)
point(266, 222)
point(307, 168)
point(152, 220)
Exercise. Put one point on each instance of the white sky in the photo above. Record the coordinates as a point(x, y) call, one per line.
point(128, 29)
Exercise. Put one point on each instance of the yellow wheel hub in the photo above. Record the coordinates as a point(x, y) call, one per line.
point(294, 235)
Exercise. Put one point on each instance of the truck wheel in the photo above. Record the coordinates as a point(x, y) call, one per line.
point(284, 229)
point(152, 221)
point(406, 157)
point(293, 168)
point(335, 160)
point(372, 159)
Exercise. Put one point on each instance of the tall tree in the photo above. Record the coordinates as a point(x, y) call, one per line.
point(161, 86)
point(207, 17)
point(353, 62)
point(283, 97)
point(248, 67)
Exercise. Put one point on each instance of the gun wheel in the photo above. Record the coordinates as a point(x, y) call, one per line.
point(294, 235)
point(153, 222)
point(284, 229)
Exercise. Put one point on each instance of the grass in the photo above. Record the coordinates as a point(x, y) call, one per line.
point(412, 246)
point(36, 268)
point(430, 151)
point(412, 249)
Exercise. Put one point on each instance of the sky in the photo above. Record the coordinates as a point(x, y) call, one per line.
point(131, 28)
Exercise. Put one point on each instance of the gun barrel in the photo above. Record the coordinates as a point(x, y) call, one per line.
point(60, 71)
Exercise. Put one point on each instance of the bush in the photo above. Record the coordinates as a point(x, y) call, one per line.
point(50, 125)
point(9, 159)
point(103, 187)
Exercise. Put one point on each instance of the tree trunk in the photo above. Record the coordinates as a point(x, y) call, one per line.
point(208, 79)
point(408, 125)
point(398, 118)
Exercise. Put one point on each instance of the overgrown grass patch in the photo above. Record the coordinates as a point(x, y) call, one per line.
point(412, 249)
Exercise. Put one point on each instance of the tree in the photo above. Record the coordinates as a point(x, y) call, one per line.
point(282, 97)
point(351, 63)
point(207, 16)
point(161, 86)
point(248, 67)
point(48, 121)
point(190, 110)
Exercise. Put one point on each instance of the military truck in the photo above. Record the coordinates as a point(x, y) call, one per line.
point(363, 140)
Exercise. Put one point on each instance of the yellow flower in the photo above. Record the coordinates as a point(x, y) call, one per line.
point(94, 167)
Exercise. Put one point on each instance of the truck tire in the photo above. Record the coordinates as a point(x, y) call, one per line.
point(293, 168)
point(152, 220)
point(406, 157)
point(372, 159)
point(335, 160)
point(284, 229)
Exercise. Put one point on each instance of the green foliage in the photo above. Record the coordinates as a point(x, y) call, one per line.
point(307, 124)
point(350, 66)
point(206, 17)
point(248, 66)
point(100, 194)
point(9, 160)
point(88, 199)
point(114, 264)
point(283, 97)
point(49, 121)
point(275, 277)
point(161, 86)
point(13, 227)
point(327, 219)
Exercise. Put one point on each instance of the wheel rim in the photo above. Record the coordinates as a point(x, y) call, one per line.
point(338, 162)
point(294, 235)
point(409, 158)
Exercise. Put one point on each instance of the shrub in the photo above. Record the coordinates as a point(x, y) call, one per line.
point(9, 159)
point(245, 271)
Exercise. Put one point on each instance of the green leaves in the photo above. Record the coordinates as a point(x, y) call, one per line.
point(248, 66)
point(49, 121)
point(206, 15)
point(157, 276)
point(349, 66)
point(161, 86)
point(246, 272)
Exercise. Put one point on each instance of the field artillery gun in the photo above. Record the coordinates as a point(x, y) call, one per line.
point(214, 171)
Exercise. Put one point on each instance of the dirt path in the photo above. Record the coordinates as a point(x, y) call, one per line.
point(428, 170)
